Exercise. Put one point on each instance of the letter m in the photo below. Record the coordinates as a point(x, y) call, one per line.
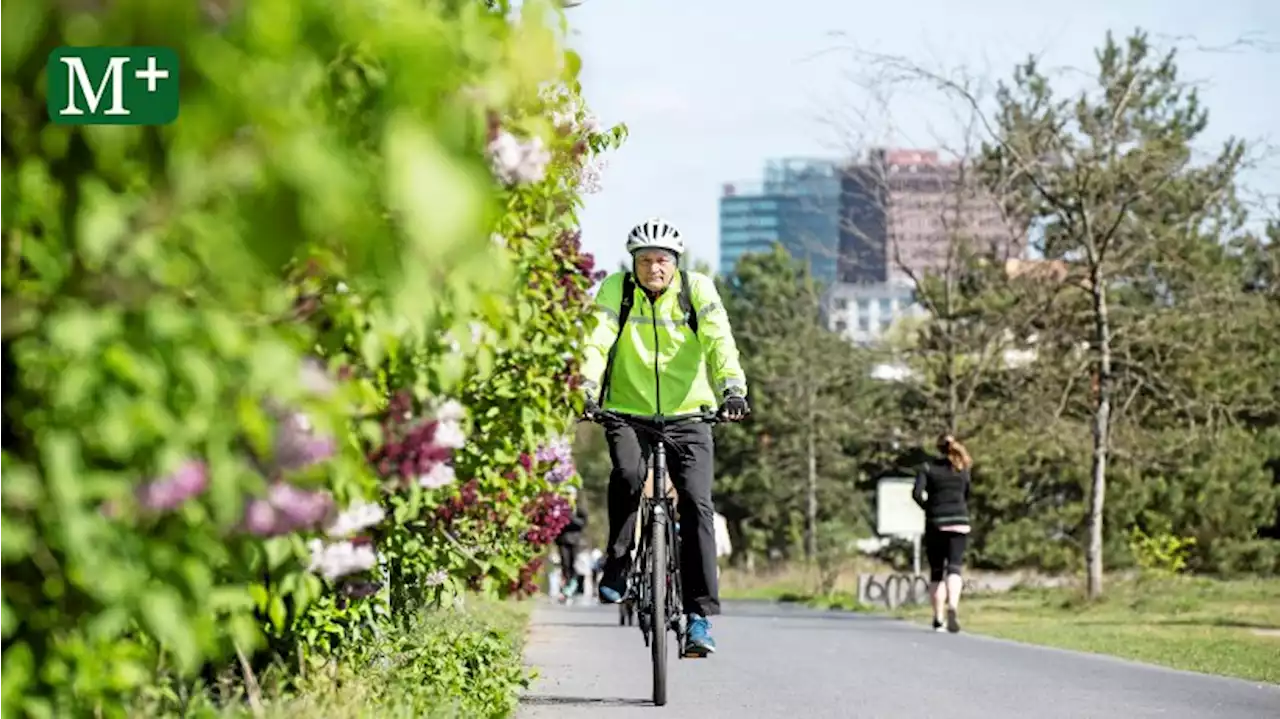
point(78, 77)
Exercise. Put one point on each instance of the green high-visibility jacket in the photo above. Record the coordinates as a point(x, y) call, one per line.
point(661, 367)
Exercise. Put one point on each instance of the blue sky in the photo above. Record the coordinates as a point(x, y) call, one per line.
point(711, 88)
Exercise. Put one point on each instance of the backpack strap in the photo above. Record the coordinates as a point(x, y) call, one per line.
point(686, 302)
point(624, 310)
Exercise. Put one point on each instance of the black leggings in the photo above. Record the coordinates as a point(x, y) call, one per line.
point(945, 551)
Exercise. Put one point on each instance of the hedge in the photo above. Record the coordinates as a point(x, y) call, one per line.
point(295, 367)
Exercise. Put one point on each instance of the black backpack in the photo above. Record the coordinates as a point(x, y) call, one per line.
point(685, 298)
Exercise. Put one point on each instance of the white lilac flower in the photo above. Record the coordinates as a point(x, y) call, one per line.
point(435, 578)
point(589, 176)
point(566, 117)
point(355, 518)
point(451, 411)
point(514, 161)
point(498, 240)
point(591, 124)
point(449, 434)
point(339, 559)
point(563, 118)
point(440, 475)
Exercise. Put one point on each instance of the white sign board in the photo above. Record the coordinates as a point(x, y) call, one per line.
point(897, 514)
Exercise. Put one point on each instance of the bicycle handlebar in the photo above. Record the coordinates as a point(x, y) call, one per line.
point(707, 415)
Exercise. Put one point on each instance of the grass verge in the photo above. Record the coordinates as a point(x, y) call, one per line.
point(1230, 628)
point(1224, 627)
point(454, 663)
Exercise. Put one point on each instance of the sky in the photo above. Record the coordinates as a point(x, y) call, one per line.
point(710, 89)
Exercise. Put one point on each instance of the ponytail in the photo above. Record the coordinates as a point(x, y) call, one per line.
point(956, 453)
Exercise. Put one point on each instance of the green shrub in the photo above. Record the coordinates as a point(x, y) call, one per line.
point(255, 360)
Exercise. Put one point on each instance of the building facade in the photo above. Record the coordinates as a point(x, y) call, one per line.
point(797, 205)
point(863, 312)
point(904, 212)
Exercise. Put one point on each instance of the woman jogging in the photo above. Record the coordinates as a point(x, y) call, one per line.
point(942, 491)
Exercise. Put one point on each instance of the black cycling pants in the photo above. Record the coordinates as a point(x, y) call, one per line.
point(945, 551)
point(691, 469)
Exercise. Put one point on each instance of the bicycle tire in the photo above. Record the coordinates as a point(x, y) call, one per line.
point(658, 616)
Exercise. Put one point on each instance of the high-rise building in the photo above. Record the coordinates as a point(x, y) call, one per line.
point(902, 210)
point(748, 223)
point(797, 205)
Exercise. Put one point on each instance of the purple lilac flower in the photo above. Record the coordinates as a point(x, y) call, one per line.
point(260, 518)
point(171, 491)
point(559, 453)
point(286, 509)
point(300, 507)
point(297, 444)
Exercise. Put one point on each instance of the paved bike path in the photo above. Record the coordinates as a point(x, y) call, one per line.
point(792, 662)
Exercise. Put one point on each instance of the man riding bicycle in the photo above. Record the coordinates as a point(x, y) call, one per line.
point(661, 340)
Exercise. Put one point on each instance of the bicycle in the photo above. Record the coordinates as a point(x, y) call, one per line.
point(653, 589)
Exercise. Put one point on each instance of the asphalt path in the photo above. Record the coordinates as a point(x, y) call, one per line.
point(791, 662)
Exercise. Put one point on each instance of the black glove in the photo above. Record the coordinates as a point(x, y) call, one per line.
point(735, 407)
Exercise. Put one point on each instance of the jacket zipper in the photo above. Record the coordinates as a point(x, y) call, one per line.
point(657, 357)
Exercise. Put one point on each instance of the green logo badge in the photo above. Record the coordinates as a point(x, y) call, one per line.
point(112, 86)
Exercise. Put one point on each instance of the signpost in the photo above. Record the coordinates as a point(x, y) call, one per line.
point(897, 514)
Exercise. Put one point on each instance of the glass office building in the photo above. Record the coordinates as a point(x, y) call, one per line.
point(748, 223)
point(797, 205)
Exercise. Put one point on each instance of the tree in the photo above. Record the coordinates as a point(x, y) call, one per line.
point(1107, 177)
point(809, 393)
point(1151, 339)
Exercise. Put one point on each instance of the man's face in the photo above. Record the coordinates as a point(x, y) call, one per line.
point(654, 269)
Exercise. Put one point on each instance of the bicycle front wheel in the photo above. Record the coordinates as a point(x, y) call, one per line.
point(658, 617)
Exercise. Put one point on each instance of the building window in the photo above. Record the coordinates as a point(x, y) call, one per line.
point(841, 325)
point(864, 323)
point(886, 307)
point(842, 303)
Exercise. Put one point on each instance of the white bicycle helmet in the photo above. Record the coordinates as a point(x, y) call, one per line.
point(655, 233)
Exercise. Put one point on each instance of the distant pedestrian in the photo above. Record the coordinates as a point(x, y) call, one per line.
point(570, 542)
point(942, 491)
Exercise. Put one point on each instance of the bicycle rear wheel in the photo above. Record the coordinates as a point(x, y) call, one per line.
point(658, 617)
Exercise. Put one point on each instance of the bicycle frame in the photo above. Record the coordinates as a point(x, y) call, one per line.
point(654, 579)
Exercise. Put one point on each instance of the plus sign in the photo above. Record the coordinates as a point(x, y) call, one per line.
point(151, 74)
